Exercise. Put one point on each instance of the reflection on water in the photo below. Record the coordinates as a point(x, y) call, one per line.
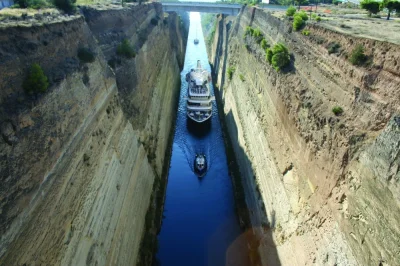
point(200, 224)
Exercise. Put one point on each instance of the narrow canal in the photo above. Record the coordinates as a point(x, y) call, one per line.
point(200, 225)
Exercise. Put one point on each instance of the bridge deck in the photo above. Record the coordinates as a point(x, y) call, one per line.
point(206, 7)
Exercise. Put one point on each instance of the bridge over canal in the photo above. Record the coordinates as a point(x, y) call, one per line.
point(203, 7)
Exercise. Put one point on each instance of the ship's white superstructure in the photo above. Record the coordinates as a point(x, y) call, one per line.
point(199, 101)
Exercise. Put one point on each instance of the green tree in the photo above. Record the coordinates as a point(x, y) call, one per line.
point(35, 4)
point(300, 2)
point(269, 55)
point(358, 56)
point(230, 72)
point(302, 14)
point(36, 81)
point(264, 44)
point(337, 110)
point(290, 11)
point(370, 5)
point(298, 23)
point(390, 5)
point(278, 56)
point(68, 6)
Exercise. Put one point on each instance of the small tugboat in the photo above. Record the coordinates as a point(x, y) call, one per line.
point(199, 106)
point(200, 165)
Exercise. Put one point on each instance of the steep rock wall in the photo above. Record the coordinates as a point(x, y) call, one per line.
point(77, 169)
point(326, 186)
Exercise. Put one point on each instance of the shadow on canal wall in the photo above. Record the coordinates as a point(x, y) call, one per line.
point(257, 235)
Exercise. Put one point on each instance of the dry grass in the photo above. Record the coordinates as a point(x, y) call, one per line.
point(355, 22)
point(17, 12)
point(14, 17)
point(371, 28)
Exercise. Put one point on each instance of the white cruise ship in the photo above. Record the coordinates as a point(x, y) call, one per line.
point(199, 101)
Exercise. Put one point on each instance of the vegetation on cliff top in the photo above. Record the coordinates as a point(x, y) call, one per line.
point(230, 72)
point(337, 110)
point(371, 6)
point(299, 20)
point(257, 35)
point(278, 56)
point(290, 11)
point(36, 81)
point(68, 6)
point(35, 4)
point(390, 6)
point(357, 56)
point(333, 47)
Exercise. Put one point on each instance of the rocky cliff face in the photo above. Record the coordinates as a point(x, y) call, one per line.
point(324, 186)
point(79, 163)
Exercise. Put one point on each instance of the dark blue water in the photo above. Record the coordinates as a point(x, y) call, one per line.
point(200, 222)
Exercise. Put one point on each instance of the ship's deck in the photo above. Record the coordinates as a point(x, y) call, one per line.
point(198, 90)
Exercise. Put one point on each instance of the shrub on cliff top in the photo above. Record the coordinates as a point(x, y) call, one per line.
point(36, 81)
point(269, 55)
point(230, 72)
point(333, 47)
point(337, 110)
point(305, 32)
point(278, 56)
point(357, 56)
point(125, 49)
point(281, 57)
point(258, 36)
point(35, 4)
point(298, 23)
point(68, 6)
point(290, 11)
point(264, 44)
point(257, 33)
point(249, 31)
point(302, 14)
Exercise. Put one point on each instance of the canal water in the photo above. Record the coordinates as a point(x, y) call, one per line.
point(199, 225)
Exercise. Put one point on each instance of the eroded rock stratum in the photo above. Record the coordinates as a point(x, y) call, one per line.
point(78, 163)
point(321, 189)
